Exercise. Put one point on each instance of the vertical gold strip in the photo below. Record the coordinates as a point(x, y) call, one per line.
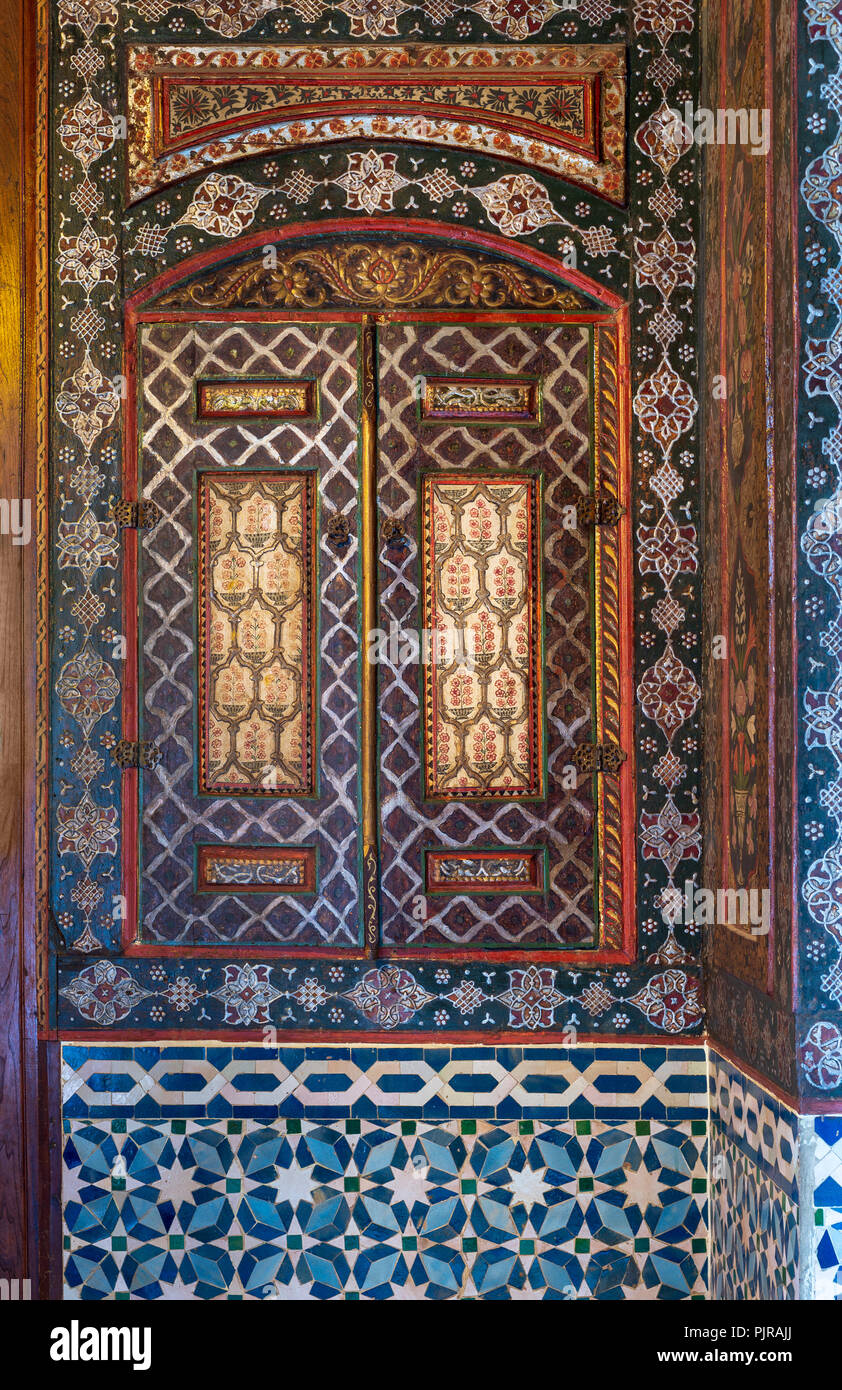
point(368, 701)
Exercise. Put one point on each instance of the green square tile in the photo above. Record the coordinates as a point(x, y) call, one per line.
point(234, 1126)
point(118, 1184)
point(352, 1298)
point(581, 1246)
point(176, 1242)
point(641, 1244)
point(468, 1186)
point(119, 1243)
point(293, 1126)
point(698, 1126)
point(353, 1126)
point(699, 1185)
point(352, 1242)
point(643, 1126)
point(819, 1218)
point(583, 1126)
point(295, 1242)
point(236, 1242)
point(698, 1245)
point(527, 1247)
point(235, 1298)
point(122, 1296)
point(118, 1126)
point(407, 1126)
point(351, 1184)
point(526, 1126)
point(585, 1184)
point(233, 1185)
point(179, 1126)
point(67, 1242)
point(409, 1242)
point(469, 1245)
point(468, 1126)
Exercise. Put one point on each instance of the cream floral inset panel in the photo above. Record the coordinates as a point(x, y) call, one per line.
point(483, 689)
point(257, 611)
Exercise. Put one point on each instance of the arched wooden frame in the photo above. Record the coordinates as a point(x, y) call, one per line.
point(229, 283)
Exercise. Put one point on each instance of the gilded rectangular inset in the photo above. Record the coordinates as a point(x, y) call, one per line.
point(257, 634)
point(452, 871)
point(485, 401)
point(261, 869)
point(255, 398)
point(483, 679)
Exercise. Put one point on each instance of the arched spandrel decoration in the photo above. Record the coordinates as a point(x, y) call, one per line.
point(557, 109)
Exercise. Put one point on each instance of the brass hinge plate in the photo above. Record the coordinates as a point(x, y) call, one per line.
point(599, 511)
point(136, 515)
point(143, 753)
point(599, 757)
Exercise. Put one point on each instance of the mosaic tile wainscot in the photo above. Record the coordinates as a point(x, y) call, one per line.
point(203, 1171)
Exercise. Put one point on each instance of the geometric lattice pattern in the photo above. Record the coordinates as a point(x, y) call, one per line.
point(356, 1209)
point(754, 1229)
point(175, 445)
point(754, 1189)
point(561, 447)
point(197, 1080)
point(205, 1171)
point(827, 1204)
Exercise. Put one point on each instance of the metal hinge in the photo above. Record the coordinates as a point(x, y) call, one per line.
point(338, 531)
point(143, 753)
point(137, 515)
point(599, 511)
point(598, 757)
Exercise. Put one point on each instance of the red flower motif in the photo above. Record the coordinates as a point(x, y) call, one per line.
point(532, 997)
point(668, 693)
point(667, 549)
point(670, 1001)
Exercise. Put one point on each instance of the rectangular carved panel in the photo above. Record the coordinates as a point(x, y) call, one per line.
point(412, 456)
point(490, 401)
point(483, 688)
point(257, 616)
point(225, 869)
point(241, 398)
point(485, 871)
point(177, 450)
point(555, 108)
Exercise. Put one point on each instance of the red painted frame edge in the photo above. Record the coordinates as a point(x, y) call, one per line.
point(617, 313)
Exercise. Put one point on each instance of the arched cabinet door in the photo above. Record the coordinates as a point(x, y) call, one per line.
point(376, 568)
point(492, 686)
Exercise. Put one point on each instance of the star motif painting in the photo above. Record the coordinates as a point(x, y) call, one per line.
point(371, 182)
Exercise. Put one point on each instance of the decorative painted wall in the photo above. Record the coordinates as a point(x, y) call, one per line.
point(162, 199)
point(749, 721)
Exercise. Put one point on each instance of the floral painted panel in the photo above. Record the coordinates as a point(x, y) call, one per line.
point(257, 634)
point(484, 698)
